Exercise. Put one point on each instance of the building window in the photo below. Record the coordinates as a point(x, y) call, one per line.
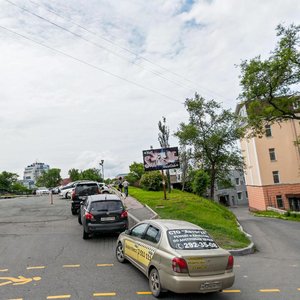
point(272, 154)
point(276, 177)
point(237, 181)
point(279, 201)
point(268, 130)
point(239, 195)
point(246, 194)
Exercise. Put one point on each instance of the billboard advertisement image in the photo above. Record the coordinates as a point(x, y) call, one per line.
point(161, 159)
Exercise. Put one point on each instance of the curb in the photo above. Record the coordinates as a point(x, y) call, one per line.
point(247, 250)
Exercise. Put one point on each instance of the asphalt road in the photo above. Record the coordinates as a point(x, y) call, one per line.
point(43, 256)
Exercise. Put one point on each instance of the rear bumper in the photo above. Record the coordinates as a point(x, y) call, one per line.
point(187, 284)
point(109, 227)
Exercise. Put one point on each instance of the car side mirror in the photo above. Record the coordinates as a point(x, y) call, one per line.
point(127, 231)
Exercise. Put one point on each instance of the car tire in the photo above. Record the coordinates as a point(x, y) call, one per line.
point(154, 283)
point(73, 212)
point(85, 235)
point(79, 219)
point(120, 253)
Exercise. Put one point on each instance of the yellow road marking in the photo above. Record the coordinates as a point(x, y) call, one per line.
point(144, 293)
point(105, 265)
point(270, 291)
point(104, 294)
point(59, 297)
point(231, 291)
point(4, 270)
point(37, 267)
point(20, 280)
point(71, 266)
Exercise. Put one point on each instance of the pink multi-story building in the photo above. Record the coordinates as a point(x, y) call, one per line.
point(272, 172)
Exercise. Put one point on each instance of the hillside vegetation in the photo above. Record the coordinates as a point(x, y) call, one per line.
point(215, 218)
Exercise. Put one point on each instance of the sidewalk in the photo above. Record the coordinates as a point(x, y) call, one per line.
point(137, 211)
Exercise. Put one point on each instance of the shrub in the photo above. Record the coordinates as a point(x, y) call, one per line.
point(151, 181)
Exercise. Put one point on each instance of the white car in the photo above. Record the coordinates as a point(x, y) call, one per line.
point(42, 191)
point(66, 190)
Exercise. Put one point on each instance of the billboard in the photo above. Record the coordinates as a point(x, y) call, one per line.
point(161, 159)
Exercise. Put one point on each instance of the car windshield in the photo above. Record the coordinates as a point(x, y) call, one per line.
point(107, 205)
point(190, 239)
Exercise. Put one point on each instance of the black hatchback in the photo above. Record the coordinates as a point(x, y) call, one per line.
point(102, 213)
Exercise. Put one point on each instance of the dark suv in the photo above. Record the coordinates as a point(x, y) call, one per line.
point(80, 193)
point(102, 213)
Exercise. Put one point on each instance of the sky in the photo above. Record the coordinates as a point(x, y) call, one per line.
point(84, 81)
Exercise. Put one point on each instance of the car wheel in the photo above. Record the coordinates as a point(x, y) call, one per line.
point(74, 212)
point(79, 219)
point(120, 253)
point(154, 283)
point(85, 235)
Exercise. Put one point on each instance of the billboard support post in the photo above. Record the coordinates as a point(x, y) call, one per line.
point(164, 184)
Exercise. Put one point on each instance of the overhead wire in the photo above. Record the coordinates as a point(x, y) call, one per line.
point(91, 65)
point(95, 44)
point(129, 51)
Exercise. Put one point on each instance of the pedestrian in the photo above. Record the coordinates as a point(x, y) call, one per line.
point(120, 185)
point(125, 184)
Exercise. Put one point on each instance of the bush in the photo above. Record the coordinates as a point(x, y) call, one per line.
point(152, 181)
point(200, 182)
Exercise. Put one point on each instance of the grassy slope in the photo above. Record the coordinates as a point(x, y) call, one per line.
point(216, 219)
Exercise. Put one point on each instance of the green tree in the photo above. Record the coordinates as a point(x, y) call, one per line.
point(91, 174)
point(270, 87)
point(7, 179)
point(74, 174)
point(200, 182)
point(136, 173)
point(212, 132)
point(163, 138)
point(50, 178)
point(151, 181)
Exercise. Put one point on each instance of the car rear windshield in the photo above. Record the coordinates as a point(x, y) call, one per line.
point(190, 239)
point(87, 189)
point(107, 205)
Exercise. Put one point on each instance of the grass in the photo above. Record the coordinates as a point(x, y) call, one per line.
point(216, 219)
point(272, 214)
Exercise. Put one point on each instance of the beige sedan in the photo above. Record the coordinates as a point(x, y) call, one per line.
point(177, 256)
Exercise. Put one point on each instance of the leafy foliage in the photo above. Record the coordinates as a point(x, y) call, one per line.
point(200, 182)
point(88, 174)
point(151, 181)
point(212, 132)
point(269, 87)
point(136, 173)
point(49, 179)
point(7, 180)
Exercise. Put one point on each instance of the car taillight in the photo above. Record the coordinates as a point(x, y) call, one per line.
point(230, 263)
point(73, 195)
point(124, 214)
point(179, 265)
point(89, 216)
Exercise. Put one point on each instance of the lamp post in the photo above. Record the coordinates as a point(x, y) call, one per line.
point(102, 166)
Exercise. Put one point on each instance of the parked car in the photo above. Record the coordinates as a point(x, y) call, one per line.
point(104, 188)
point(102, 213)
point(67, 188)
point(55, 190)
point(177, 256)
point(42, 191)
point(80, 192)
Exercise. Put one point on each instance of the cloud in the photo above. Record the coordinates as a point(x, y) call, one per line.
point(138, 61)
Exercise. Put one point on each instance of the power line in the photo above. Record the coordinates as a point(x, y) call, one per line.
point(128, 50)
point(90, 65)
point(93, 43)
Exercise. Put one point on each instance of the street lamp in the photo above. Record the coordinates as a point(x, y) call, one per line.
point(102, 166)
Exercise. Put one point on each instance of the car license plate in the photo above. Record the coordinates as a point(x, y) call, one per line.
point(107, 218)
point(212, 285)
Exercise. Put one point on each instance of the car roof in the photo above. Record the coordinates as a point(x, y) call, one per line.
point(169, 224)
point(103, 197)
